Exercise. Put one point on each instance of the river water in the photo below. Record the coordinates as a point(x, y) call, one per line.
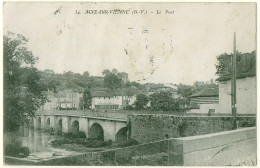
point(38, 143)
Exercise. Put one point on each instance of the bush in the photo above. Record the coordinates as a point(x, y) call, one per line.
point(129, 142)
point(89, 143)
point(58, 132)
point(78, 134)
point(129, 107)
point(16, 150)
point(68, 135)
point(25, 151)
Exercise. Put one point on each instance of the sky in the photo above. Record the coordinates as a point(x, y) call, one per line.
point(179, 46)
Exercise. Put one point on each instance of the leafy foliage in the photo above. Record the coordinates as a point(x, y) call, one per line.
point(16, 149)
point(78, 134)
point(22, 91)
point(245, 65)
point(114, 79)
point(89, 143)
point(141, 101)
point(87, 99)
point(224, 64)
point(163, 101)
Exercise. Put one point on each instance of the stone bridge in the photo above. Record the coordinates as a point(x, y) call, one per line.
point(94, 127)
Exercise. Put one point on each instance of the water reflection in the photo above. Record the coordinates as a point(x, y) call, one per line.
point(35, 140)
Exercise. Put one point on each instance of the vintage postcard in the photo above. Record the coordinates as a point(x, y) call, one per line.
point(129, 83)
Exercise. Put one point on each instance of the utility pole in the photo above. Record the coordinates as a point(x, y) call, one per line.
point(233, 84)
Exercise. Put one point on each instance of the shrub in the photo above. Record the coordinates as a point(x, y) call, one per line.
point(16, 150)
point(25, 151)
point(68, 135)
point(89, 143)
point(12, 149)
point(78, 134)
point(58, 132)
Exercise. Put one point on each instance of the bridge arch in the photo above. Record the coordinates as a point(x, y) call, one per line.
point(75, 126)
point(121, 135)
point(48, 123)
point(96, 132)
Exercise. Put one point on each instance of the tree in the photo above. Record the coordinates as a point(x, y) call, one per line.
point(106, 72)
point(163, 101)
point(87, 99)
point(184, 91)
point(141, 101)
point(112, 82)
point(85, 75)
point(200, 85)
point(22, 91)
point(114, 79)
point(223, 65)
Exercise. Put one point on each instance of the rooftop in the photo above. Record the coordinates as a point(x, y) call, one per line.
point(207, 92)
point(110, 93)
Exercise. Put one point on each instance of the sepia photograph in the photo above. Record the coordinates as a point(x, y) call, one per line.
point(129, 83)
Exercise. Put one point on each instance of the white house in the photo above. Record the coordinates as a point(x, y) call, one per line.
point(246, 95)
point(205, 101)
point(245, 87)
point(103, 100)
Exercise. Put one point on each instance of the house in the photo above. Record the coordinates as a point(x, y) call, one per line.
point(245, 87)
point(52, 101)
point(166, 87)
point(66, 99)
point(205, 101)
point(108, 100)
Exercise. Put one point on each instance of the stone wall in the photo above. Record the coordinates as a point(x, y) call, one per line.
point(149, 128)
point(233, 148)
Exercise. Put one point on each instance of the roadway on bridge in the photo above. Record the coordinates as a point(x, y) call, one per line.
point(113, 115)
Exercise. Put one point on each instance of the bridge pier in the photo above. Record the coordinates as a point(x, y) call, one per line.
point(83, 125)
point(65, 124)
point(52, 122)
point(110, 131)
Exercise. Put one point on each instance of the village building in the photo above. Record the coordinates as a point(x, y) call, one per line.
point(52, 101)
point(205, 101)
point(108, 100)
point(245, 87)
point(68, 99)
point(166, 87)
point(63, 100)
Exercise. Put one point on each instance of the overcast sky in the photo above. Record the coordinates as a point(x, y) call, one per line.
point(160, 48)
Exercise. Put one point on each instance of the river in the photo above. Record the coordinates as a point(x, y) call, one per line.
point(38, 143)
